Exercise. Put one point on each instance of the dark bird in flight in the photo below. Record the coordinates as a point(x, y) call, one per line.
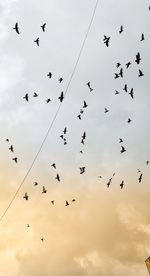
point(109, 182)
point(116, 92)
point(129, 120)
point(121, 29)
point(120, 140)
point(44, 191)
point(48, 100)
point(58, 177)
point(61, 136)
point(118, 64)
point(85, 104)
point(37, 41)
point(42, 239)
point(140, 73)
point(15, 159)
point(89, 86)
point(28, 225)
point(35, 95)
point(35, 183)
point(65, 143)
point(82, 141)
point(140, 178)
point(139, 171)
point(49, 75)
point(99, 176)
point(81, 151)
point(60, 80)
point(81, 111)
point(142, 37)
point(128, 64)
point(131, 93)
point(16, 28)
point(106, 40)
point(121, 73)
point(122, 184)
point(7, 140)
point(53, 165)
point(26, 97)
point(147, 162)
point(79, 116)
point(43, 27)
point(11, 148)
point(67, 203)
point(26, 196)
point(82, 170)
point(65, 130)
point(116, 76)
point(73, 200)
point(122, 149)
point(52, 201)
point(106, 110)
point(61, 97)
point(84, 135)
point(125, 88)
point(138, 58)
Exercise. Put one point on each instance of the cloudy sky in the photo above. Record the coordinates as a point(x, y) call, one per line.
point(105, 231)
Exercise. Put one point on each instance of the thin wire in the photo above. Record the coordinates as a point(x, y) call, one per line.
point(55, 116)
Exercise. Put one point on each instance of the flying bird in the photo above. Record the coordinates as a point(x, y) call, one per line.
point(61, 97)
point(122, 184)
point(129, 120)
point(85, 104)
point(73, 200)
point(121, 73)
point(52, 201)
point(138, 58)
point(106, 110)
point(131, 93)
point(147, 162)
point(35, 95)
point(140, 177)
point(79, 116)
point(128, 64)
point(142, 37)
point(82, 170)
point(65, 130)
point(26, 196)
point(106, 40)
point(37, 41)
point(48, 100)
point(7, 140)
point(122, 149)
point(16, 28)
point(125, 88)
point(15, 159)
point(118, 64)
point(60, 80)
point(49, 75)
point(26, 97)
point(11, 148)
point(116, 92)
point(44, 191)
point(116, 76)
point(58, 177)
point(67, 203)
point(35, 183)
point(121, 29)
point(53, 165)
point(84, 135)
point(140, 74)
point(43, 27)
point(120, 140)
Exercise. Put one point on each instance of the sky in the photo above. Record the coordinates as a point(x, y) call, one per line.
point(105, 231)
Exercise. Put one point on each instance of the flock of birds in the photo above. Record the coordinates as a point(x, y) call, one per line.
point(119, 74)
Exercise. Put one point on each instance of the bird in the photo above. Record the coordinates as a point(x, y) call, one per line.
point(81, 111)
point(85, 104)
point(37, 41)
point(131, 93)
point(121, 73)
point(121, 29)
point(89, 85)
point(43, 27)
point(99, 176)
point(35, 95)
point(147, 162)
point(122, 149)
point(129, 120)
point(138, 171)
point(35, 183)
point(82, 170)
point(52, 201)
point(42, 239)
point(106, 40)
point(67, 203)
point(26, 196)
point(79, 116)
point(58, 177)
point(61, 97)
point(16, 28)
point(140, 73)
point(140, 177)
point(128, 64)
point(84, 135)
point(61, 136)
point(122, 184)
point(118, 64)
point(142, 37)
point(11, 148)
point(120, 140)
point(15, 159)
point(44, 191)
point(53, 165)
point(49, 75)
point(28, 225)
point(65, 143)
point(106, 110)
point(7, 140)
point(60, 80)
point(81, 151)
point(48, 100)
point(73, 200)
point(26, 97)
point(125, 88)
point(116, 92)
point(138, 58)
point(65, 130)
point(116, 76)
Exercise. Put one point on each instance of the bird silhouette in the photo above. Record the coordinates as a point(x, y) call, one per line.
point(43, 27)
point(35, 183)
point(48, 100)
point(42, 239)
point(49, 75)
point(82, 141)
point(26, 97)
point(121, 29)
point(116, 76)
point(116, 92)
point(82, 170)
point(16, 28)
point(61, 136)
point(147, 162)
point(142, 37)
point(138, 58)
point(65, 130)
point(37, 41)
point(140, 74)
point(81, 111)
point(73, 200)
point(11, 148)
point(67, 203)
point(79, 116)
point(118, 64)
point(84, 135)
point(61, 97)
point(53, 165)
point(85, 104)
point(35, 95)
point(28, 225)
point(129, 120)
point(140, 177)
point(106, 40)
point(60, 80)
point(52, 201)
point(128, 64)
point(125, 88)
point(122, 149)
point(121, 73)
point(81, 151)
point(120, 140)
point(122, 184)
point(58, 177)
point(26, 197)
point(15, 159)
point(7, 140)
point(89, 86)
point(44, 191)
point(106, 110)
point(131, 93)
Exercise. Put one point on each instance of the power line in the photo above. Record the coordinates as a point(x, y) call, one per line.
point(55, 116)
